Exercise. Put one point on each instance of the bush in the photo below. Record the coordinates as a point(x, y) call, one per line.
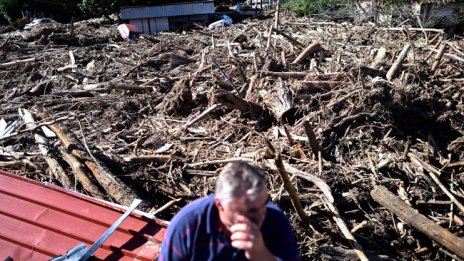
point(308, 7)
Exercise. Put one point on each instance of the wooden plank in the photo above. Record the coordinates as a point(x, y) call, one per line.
point(409, 215)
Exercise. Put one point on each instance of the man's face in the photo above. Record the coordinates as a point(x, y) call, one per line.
point(254, 210)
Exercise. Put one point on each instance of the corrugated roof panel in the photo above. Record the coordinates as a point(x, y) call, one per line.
point(39, 221)
point(136, 12)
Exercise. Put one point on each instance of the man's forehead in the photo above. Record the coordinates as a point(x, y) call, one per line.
point(257, 200)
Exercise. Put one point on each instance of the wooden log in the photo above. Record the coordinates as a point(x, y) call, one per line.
point(199, 172)
point(81, 174)
point(41, 88)
point(437, 58)
point(308, 51)
point(148, 158)
point(127, 87)
point(251, 86)
point(233, 101)
point(283, 58)
point(202, 116)
point(155, 212)
point(178, 101)
point(456, 164)
point(319, 85)
point(177, 60)
point(284, 75)
point(397, 64)
point(219, 161)
point(255, 62)
point(379, 57)
point(441, 31)
point(277, 14)
point(6, 164)
point(280, 103)
point(225, 85)
point(348, 119)
point(452, 80)
point(108, 86)
point(313, 144)
point(291, 39)
point(346, 232)
point(17, 63)
point(341, 254)
point(290, 188)
point(268, 43)
point(409, 215)
point(114, 187)
point(55, 167)
point(322, 185)
point(370, 71)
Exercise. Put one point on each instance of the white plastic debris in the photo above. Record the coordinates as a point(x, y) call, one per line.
point(128, 31)
point(47, 132)
point(225, 20)
point(7, 128)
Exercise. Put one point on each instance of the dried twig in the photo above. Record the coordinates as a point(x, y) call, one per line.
point(432, 173)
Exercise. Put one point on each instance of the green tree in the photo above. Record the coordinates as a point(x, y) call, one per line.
point(10, 10)
point(100, 7)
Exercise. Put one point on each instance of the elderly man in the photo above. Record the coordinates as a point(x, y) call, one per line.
point(237, 223)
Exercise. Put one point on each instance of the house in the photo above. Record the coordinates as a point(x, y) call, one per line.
point(431, 12)
point(39, 221)
point(169, 17)
point(439, 12)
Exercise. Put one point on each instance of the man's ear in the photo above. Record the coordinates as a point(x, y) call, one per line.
point(218, 204)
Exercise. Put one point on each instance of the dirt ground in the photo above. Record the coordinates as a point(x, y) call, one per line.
point(344, 107)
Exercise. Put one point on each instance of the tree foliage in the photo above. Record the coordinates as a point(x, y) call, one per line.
point(308, 7)
point(10, 10)
point(100, 7)
point(61, 10)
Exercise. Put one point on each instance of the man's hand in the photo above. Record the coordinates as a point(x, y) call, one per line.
point(247, 236)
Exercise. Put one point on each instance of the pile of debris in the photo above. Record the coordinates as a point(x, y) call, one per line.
point(359, 127)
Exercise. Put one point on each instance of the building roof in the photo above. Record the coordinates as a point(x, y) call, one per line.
point(39, 221)
point(177, 9)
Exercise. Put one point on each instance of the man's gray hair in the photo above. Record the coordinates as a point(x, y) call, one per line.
point(239, 179)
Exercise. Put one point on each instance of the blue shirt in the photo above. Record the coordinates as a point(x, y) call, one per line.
point(195, 234)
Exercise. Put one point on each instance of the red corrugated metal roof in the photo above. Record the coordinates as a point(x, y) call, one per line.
point(39, 221)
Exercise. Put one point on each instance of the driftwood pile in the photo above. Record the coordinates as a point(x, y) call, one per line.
point(360, 127)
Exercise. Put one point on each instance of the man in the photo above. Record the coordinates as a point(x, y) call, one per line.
point(237, 223)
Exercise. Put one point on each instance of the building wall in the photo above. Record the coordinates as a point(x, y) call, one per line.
point(193, 8)
point(186, 21)
point(151, 25)
point(154, 19)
